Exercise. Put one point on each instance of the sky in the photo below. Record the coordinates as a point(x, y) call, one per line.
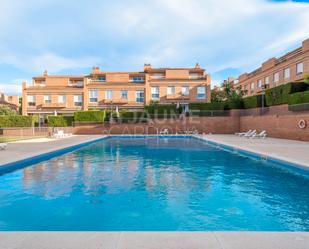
point(227, 37)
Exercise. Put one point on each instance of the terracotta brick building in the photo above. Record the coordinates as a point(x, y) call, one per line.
point(277, 71)
point(12, 101)
point(64, 94)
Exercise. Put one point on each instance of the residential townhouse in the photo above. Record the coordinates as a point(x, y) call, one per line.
point(65, 94)
point(11, 101)
point(290, 67)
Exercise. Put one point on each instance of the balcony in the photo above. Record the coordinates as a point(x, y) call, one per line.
point(115, 101)
point(76, 83)
point(177, 97)
point(197, 77)
point(100, 79)
point(157, 77)
point(137, 79)
point(54, 105)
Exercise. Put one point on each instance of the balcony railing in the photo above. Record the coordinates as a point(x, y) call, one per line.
point(157, 77)
point(177, 97)
point(196, 77)
point(54, 105)
point(115, 101)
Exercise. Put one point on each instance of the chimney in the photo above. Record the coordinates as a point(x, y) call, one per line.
point(147, 66)
point(45, 73)
point(95, 70)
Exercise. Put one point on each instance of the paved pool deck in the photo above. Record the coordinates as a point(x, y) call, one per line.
point(153, 240)
point(293, 151)
point(23, 149)
point(288, 150)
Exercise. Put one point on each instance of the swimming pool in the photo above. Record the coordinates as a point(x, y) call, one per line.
point(153, 184)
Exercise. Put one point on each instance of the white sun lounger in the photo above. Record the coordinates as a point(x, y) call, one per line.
point(243, 133)
point(164, 131)
point(3, 146)
point(250, 134)
point(61, 134)
point(262, 134)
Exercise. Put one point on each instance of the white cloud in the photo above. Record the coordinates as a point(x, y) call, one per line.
point(122, 35)
point(49, 61)
point(11, 88)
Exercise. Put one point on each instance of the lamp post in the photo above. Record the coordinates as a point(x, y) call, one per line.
point(263, 96)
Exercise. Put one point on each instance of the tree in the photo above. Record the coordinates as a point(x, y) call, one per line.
point(227, 92)
point(6, 110)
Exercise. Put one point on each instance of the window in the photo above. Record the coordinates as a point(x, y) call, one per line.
point(78, 101)
point(155, 92)
point(252, 87)
point(138, 79)
point(276, 77)
point(47, 99)
point(170, 90)
point(201, 92)
point(259, 83)
point(299, 68)
point(185, 91)
point(267, 80)
point(93, 96)
point(102, 78)
point(31, 100)
point(61, 99)
point(108, 94)
point(124, 94)
point(139, 96)
point(79, 83)
point(286, 73)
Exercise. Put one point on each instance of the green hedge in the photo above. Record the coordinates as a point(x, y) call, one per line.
point(89, 116)
point(280, 95)
point(161, 109)
point(253, 101)
point(207, 106)
point(299, 98)
point(16, 121)
point(130, 116)
point(235, 104)
point(59, 121)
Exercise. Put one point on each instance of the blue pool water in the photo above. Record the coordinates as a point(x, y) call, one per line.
point(163, 184)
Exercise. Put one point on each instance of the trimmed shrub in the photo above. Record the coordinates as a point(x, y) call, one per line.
point(16, 121)
point(207, 106)
point(299, 98)
point(235, 104)
point(59, 121)
point(89, 116)
point(253, 101)
point(161, 109)
point(280, 94)
point(130, 116)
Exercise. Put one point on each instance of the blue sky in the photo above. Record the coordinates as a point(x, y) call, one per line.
point(69, 37)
